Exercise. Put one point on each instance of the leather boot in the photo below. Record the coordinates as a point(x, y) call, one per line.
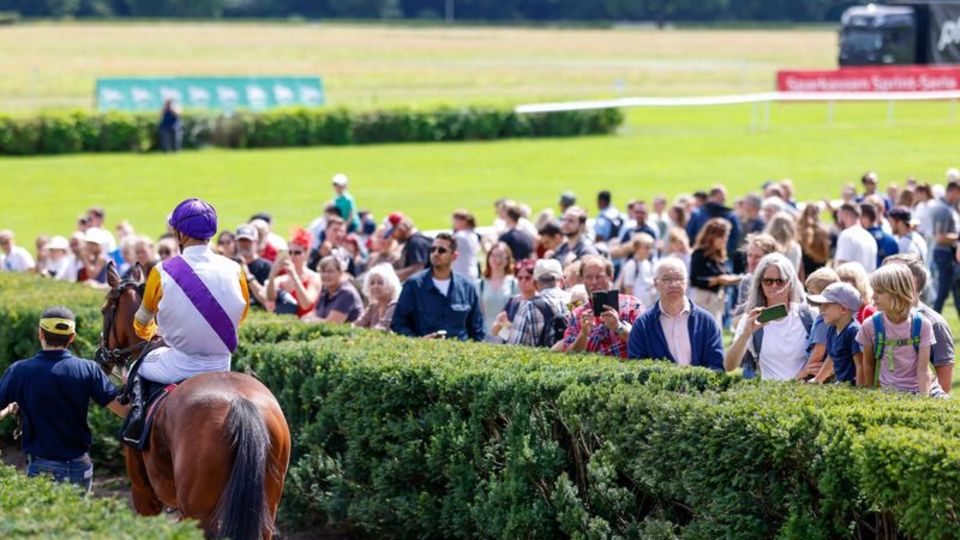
point(132, 429)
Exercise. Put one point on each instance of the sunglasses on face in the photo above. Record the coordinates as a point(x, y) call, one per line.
point(296, 252)
point(770, 282)
point(438, 249)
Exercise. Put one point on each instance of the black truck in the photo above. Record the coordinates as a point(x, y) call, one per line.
point(901, 33)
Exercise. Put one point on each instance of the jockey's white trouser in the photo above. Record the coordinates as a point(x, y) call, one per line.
point(168, 365)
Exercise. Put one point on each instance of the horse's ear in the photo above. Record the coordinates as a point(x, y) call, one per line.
point(113, 278)
point(137, 273)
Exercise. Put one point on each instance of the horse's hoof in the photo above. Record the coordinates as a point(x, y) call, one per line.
point(173, 514)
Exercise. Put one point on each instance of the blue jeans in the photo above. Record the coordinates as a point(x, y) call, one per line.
point(77, 471)
point(944, 263)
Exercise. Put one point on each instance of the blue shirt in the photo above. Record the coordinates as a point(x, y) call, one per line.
point(841, 347)
point(818, 334)
point(53, 390)
point(886, 244)
point(647, 340)
point(422, 309)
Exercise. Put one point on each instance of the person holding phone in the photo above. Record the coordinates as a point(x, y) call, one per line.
point(776, 326)
point(598, 326)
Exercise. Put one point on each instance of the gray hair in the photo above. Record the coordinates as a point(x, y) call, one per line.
point(670, 262)
point(390, 279)
point(756, 297)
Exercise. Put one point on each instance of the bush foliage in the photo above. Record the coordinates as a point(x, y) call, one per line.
point(40, 508)
point(407, 438)
point(71, 132)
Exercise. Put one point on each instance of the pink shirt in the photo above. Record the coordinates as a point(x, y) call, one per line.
point(676, 330)
point(903, 376)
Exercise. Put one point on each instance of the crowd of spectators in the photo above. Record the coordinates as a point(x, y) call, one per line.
point(855, 298)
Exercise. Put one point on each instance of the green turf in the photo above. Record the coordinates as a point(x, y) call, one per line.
point(660, 151)
point(55, 65)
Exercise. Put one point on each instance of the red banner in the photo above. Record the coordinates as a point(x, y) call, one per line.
point(871, 79)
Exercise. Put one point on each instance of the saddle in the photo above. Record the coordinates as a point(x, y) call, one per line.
point(154, 394)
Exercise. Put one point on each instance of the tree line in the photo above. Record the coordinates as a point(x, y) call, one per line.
point(476, 10)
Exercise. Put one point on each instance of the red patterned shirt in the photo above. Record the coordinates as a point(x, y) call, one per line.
point(601, 340)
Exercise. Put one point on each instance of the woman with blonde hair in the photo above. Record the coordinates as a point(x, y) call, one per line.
point(854, 274)
point(778, 346)
point(678, 246)
point(708, 271)
point(814, 239)
point(381, 288)
point(783, 228)
point(339, 301)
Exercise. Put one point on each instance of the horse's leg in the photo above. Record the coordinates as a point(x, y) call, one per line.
point(201, 463)
point(144, 500)
point(278, 461)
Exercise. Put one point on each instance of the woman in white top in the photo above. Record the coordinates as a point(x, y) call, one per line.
point(468, 244)
point(783, 345)
point(497, 285)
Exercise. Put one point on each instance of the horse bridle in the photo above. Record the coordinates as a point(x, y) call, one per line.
point(107, 357)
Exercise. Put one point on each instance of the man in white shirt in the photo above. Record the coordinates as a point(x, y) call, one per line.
point(13, 258)
point(855, 244)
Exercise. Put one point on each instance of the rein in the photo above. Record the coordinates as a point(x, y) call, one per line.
point(105, 356)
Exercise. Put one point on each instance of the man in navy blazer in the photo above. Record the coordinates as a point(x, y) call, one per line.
point(675, 328)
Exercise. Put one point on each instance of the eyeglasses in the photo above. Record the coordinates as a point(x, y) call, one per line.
point(770, 282)
point(296, 252)
point(671, 280)
point(438, 249)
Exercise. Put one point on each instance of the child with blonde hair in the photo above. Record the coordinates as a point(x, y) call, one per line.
point(896, 341)
point(817, 345)
point(854, 274)
point(636, 277)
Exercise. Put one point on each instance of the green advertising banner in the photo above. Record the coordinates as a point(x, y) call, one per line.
point(208, 93)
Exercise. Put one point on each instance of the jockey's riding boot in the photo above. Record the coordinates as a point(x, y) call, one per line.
point(133, 426)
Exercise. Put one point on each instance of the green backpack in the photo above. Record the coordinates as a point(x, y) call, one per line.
point(880, 342)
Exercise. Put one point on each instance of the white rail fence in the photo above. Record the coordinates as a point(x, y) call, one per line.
point(759, 118)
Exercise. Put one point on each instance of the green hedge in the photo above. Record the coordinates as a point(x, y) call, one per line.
point(39, 508)
point(402, 438)
point(71, 132)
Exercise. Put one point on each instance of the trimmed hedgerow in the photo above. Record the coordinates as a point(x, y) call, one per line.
point(400, 437)
point(40, 508)
point(78, 131)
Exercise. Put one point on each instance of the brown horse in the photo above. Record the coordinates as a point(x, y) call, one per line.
point(219, 447)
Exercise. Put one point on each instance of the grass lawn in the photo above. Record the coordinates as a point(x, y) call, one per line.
point(55, 65)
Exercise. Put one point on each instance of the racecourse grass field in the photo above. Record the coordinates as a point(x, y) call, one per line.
point(55, 65)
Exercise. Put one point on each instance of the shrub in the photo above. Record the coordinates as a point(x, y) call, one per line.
point(125, 132)
point(401, 437)
point(40, 508)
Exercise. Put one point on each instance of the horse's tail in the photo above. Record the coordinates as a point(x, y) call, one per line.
point(242, 511)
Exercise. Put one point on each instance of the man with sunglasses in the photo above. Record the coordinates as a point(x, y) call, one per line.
point(438, 302)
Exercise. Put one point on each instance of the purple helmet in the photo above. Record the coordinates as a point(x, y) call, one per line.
point(195, 218)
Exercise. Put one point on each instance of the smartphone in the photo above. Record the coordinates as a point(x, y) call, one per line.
point(597, 301)
point(605, 298)
point(772, 313)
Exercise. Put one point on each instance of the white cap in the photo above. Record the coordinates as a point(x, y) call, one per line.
point(97, 236)
point(953, 174)
point(340, 179)
point(58, 242)
point(547, 268)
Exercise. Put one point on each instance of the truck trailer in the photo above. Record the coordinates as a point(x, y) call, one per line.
point(901, 33)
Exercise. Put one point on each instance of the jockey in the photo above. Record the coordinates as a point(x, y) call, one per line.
point(195, 301)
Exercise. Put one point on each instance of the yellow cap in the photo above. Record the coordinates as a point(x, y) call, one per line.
point(64, 327)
